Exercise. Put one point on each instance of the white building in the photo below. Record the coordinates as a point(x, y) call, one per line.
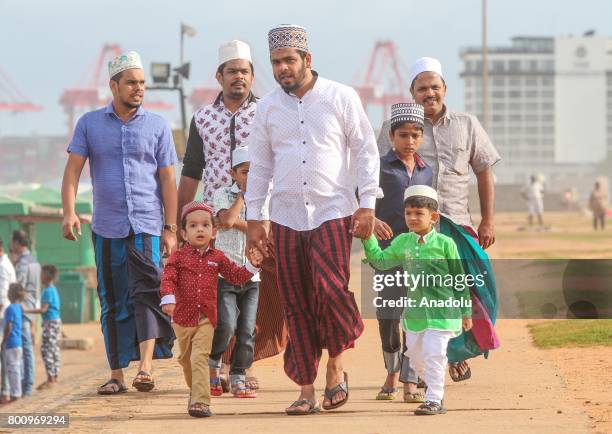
point(550, 105)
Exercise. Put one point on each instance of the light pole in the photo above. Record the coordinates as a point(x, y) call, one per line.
point(191, 32)
point(485, 69)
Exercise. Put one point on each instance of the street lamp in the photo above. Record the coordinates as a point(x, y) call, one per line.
point(161, 72)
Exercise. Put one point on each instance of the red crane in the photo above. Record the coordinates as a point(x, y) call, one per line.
point(384, 81)
point(96, 93)
point(12, 99)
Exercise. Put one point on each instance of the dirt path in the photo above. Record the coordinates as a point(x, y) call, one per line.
point(516, 390)
point(520, 389)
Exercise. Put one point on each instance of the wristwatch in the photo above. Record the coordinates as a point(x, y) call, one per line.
point(172, 228)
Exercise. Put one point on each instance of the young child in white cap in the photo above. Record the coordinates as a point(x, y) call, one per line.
point(438, 302)
point(237, 304)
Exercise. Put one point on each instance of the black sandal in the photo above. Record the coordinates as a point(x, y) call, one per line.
point(120, 388)
point(313, 408)
point(459, 377)
point(143, 385)
point(340, 387)
point(429, 408)
point(198, 409)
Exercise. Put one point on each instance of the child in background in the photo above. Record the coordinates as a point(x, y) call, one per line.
point(189, 295)
point(52, 324)
point(12, 345)
point(429, 324)
point(400, 168)
point(237, 304)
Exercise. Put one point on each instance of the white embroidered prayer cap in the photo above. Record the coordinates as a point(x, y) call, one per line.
point(288, 36)
point(425, 64)
point(240, 155)
point(129, 60)
point(233, 50)
point(421, 190)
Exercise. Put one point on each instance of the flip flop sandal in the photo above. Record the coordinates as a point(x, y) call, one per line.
point(252, 383)
point(313, 408)
point(199, 410)
point(340, 387)
point(239, 390)
point(459, 377)
point(429, 408)
point(143, 385)
point(413, 398)
point(421, 384)
point(216, 389)
point(387, 393)
point(120, 388)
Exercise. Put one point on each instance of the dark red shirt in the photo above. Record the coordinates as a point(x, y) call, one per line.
point(192, 278)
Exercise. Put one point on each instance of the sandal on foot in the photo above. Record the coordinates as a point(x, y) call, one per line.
point(45, 385)
point(412, 398)
point(429, 408)
point(199, 410)
point(239, 390)
point(225, 384)
point(252, 383)
point(108, 389)
point(313, 408)
point(340, 387)
point(453, 370)
point(421, 384)
point(387, 393)
point(216, 389)
point(143, 382)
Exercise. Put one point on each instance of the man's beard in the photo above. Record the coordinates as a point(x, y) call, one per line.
point(238, 93)
point(301, 76)
point(132, 105)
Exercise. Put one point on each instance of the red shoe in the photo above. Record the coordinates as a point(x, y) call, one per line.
point(215, 387)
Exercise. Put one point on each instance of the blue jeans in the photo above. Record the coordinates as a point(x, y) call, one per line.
point(28, 359)
point(236, 312)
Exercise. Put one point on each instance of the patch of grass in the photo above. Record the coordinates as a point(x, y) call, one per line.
point(572, 333)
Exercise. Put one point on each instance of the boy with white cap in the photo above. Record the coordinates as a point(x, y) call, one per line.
point(438, 305)
point(237, 304)
point(400, 168)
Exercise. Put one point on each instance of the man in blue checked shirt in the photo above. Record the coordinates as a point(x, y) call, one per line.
point(131, 155)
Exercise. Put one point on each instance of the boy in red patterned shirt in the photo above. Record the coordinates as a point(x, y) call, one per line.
point(189, 295)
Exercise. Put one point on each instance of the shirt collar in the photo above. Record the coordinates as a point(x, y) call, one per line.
point(391, 156)
point(315, 86)
point(110, 109)
point(234, 188)
point(195, 251)
point(427, 237)
point(250, 99)
point(444, 118)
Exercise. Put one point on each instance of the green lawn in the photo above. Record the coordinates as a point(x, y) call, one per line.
point(572, 333)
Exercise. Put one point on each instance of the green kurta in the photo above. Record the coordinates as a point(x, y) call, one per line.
point(441, 297)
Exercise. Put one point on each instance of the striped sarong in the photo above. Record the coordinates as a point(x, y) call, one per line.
point(129, 275)
point(313, 269)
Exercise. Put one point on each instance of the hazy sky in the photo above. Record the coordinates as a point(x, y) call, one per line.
point(48, 45)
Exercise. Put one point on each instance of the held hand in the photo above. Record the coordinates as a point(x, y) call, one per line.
point(486, 234)
point(382, 230)
point(466, 323)
point(168, 309)
point(70, 224)
point(257, 238)
point(255, 257)
point(168, 242)
point(362, 223)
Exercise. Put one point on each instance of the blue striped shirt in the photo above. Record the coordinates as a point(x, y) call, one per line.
point(124, 159)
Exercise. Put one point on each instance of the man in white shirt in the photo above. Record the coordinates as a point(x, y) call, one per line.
point(306, 135)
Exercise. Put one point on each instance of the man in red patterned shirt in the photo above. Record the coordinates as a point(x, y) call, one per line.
point(189, 295)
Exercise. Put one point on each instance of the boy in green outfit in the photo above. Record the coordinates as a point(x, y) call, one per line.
point(438, 301)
